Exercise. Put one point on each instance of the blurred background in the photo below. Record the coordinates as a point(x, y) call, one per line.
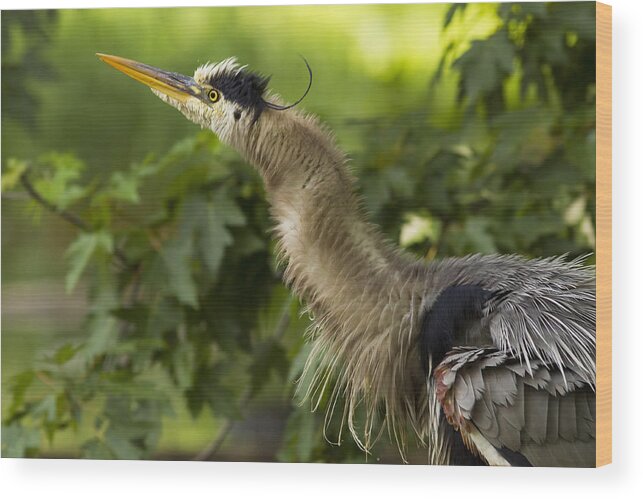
point(143, 315)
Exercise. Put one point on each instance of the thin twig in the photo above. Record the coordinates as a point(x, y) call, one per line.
point(72, 218)
point(213, 447)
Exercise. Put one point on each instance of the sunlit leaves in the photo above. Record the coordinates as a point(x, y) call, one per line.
point(485, 66)
point(419, 228)
point(147, 278)
point(59, 179)
point(12, 172)
point(453, 10)
point(530, 157)
point(124, 187)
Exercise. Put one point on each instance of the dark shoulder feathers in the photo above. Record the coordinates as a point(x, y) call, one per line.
point(451, 312)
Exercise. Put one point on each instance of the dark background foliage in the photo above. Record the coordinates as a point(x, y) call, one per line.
point(163, 330)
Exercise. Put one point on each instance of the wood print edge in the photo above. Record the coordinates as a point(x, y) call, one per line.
point(603, 234)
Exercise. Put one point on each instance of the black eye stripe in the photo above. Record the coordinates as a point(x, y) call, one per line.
point(244, 88)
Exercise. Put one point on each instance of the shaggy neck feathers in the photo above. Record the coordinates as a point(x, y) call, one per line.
point(365, 297)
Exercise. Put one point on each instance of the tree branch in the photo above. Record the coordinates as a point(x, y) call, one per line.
point(72, 218)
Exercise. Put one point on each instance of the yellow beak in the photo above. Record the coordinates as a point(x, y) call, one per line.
point(174, 85)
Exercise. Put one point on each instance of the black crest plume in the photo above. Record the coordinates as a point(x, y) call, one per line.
point(310, 84)
point(247, 89)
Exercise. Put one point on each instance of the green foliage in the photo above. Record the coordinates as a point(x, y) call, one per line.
point(175, 256)
point(160, 298)
point(82, 250)
point(521, 157)
point(30, 31)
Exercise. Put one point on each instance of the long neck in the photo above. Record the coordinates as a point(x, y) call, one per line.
point(333, 254)
point(364, 295)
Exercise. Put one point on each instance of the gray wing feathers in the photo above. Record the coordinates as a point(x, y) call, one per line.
point(543, 309)
point(538, 326)
point(536, 410)
point(577, 454)
point(537, 406)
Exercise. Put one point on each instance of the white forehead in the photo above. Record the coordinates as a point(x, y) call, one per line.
point(211, 70)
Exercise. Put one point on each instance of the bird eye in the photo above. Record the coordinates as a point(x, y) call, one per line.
point(213, 95)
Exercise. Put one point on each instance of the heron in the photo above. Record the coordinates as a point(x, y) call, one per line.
point(483, 360)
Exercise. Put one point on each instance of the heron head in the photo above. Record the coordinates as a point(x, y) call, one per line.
point(224, 97)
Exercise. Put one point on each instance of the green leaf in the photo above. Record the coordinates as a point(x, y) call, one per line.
point(484, 67)
point(247, 243)
point(164, 315)
point(474, 237)
point(80, 252)
point(210, 219)
point(18, 386)
point(524, 138)
point(528, 228)
point(58, 179)
point(95, 448)
point(19, 441)
point(183, 364)
point(103, 335)
point(133, 425)
point(124, 187)
point(177, 257)
point(65, 353)
point(302, 435)
point(203, 226)
point(418, 229)
point(377, 192)
point(451, 12)
point(269, 357)
point(12, 173)
point(218, 387)
point(46, 407)
point(122, 447)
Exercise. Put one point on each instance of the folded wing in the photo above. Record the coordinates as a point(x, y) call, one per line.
point(511, 413)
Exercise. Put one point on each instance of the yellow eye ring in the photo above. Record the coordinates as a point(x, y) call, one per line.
point(213, 95)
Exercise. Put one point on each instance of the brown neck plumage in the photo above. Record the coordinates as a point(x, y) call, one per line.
point(364, 295)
